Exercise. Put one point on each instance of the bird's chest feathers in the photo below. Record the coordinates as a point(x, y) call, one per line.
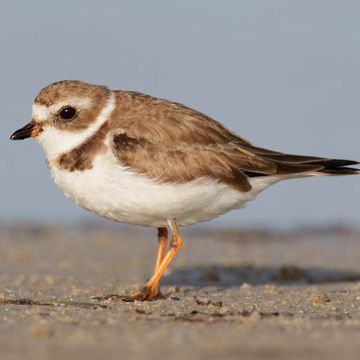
point(112, 190)
point(97, 185)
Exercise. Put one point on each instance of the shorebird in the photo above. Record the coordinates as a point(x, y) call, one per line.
point(138, 159)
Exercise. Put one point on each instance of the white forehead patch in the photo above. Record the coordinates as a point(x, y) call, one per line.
point(59, 141)
point(41, 113)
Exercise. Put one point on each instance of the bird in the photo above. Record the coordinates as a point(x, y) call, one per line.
point(138, 159)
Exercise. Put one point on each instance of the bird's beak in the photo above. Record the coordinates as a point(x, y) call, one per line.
point(29, 130)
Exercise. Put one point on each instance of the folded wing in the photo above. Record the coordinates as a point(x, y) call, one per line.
point(170, 142)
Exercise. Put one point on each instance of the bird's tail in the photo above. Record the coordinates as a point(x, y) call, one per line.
point(316, 166)
point(290, 165)
point(337, 167)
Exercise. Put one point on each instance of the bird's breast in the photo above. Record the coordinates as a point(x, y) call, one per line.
point(117, 192)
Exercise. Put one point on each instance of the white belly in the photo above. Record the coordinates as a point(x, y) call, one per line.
point(117, 193)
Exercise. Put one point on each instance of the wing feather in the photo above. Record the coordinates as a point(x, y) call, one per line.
point(170, 142)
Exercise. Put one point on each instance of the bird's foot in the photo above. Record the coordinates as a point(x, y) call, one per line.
point(146, 294)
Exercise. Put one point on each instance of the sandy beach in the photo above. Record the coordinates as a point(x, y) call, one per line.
point(251, 294)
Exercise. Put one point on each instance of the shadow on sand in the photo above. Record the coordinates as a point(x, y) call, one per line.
point(231, 275)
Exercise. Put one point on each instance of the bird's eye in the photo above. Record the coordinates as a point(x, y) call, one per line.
point(67, 113)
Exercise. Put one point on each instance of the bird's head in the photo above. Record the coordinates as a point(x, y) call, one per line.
point(65, 113)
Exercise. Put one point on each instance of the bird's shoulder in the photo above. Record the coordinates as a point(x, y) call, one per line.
point(162, 121)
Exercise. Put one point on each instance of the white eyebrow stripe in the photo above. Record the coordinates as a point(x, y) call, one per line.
point(42, 112)
point(59, 141)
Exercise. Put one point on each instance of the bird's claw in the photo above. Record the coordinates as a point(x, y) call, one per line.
point(146, 294)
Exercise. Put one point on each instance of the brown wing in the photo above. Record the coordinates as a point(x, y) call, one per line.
point(173, 143)
point(184, 162)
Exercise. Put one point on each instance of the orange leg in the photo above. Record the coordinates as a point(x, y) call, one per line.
point(175, 245)
point(162, 238)
point(151, 290)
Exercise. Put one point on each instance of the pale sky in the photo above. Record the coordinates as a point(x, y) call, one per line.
point(284, 74)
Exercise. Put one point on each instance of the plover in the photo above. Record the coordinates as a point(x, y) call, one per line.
point(138, 159)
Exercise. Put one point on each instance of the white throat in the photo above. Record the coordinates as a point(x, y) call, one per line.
point(57, 141)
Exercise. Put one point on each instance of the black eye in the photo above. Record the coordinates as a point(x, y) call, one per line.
point(67, 113)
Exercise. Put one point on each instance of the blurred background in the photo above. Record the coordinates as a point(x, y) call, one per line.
point(284, 74)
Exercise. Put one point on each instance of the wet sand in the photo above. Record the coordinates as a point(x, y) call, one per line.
point(254, 294)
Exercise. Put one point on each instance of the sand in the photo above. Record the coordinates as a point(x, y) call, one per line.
point(254, 294)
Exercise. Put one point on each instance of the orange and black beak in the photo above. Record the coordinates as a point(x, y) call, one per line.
point(29, 130)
